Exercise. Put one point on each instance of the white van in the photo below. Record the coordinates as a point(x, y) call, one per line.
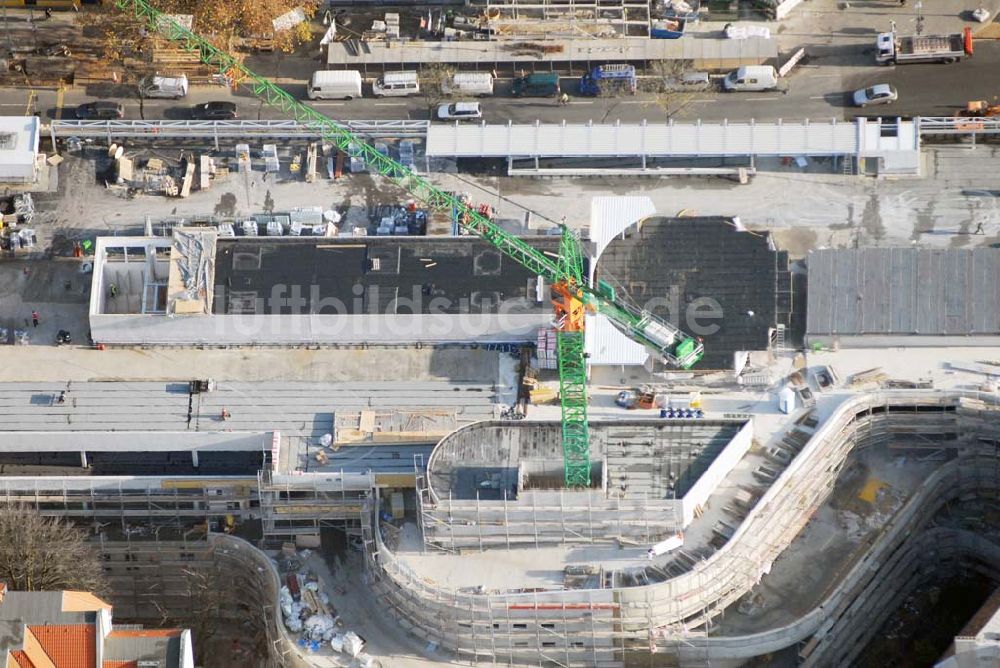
point(751, 78)
point(477, 84)
point(164, 87)
point(335, 85)
point(396, 84)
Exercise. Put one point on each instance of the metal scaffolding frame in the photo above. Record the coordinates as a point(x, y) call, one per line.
point(231, 130)
point(679, 611)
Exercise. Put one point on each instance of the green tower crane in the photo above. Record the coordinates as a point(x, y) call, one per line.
point(573, 297)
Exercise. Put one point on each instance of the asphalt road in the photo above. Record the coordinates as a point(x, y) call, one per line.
point(814, 91)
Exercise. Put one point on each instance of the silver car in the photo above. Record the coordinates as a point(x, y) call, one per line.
point(877, 94)
point(459, 111)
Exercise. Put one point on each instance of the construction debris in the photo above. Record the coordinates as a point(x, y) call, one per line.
point(869, 377)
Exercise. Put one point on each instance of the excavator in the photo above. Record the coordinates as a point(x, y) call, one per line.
point(573, 297)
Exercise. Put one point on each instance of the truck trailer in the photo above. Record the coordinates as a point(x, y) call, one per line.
point(609, 79)
point(893, 48)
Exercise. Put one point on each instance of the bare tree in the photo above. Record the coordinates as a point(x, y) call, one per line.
point(433, 86)
point(667, 85)
point(40, 553)
point(207, 593)
point(664, 85)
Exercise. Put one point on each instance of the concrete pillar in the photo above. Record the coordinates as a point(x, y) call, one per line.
point(83, 459)
point(194, 458)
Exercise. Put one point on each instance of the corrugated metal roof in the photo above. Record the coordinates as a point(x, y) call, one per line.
point(607, 346)
point(927, 292)
point(646, 139)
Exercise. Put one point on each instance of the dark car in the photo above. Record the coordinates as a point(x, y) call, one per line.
point(101, 110)
point(214, 111)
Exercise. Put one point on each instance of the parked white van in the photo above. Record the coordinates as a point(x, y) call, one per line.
point(396, 84)
point(335, 85)
point(751, 78)
point(164, 87)
point(476, 84)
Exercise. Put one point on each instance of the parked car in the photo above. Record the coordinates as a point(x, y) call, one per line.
point(101, 110)
point(751, 78)
point(877, 94)
point(459, 111)
point(214, 111)
point(172, 88)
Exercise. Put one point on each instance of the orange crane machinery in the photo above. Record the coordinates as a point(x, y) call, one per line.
point(572, 296)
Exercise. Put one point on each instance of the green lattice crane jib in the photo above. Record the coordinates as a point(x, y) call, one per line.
point(346, 141)
point(675, 347)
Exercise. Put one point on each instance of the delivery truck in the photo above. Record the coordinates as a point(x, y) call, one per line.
point(896, 49)
point(609, 79)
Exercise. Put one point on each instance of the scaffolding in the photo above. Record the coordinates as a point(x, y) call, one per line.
point(302, 505)
point(603, 626)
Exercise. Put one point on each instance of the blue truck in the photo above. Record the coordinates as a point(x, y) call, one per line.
point(609, 78)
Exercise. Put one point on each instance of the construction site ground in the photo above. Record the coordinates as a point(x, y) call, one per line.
point(840, 533)
point(943, 209)
point(342, 581)
point(875, 484)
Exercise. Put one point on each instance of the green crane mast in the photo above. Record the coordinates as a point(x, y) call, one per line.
point(565, 273)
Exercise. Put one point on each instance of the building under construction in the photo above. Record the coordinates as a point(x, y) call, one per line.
point(608, 607)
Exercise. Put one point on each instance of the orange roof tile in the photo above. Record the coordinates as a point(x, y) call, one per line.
point(68, 645)
point(144, 633)
point(21, 658)
point(120, 664)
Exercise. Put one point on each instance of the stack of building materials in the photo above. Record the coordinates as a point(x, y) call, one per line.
point(546, 350)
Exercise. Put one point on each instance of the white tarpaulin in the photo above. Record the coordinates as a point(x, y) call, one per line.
point(331, 33)
point(185, 20)
point(289, 20)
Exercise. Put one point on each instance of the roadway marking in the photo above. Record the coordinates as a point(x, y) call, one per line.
point(31, 101)
point(638, 101)
point(582, 102)
point(818, 97)
point(328, 104)
point(761, 99)
point(390, 104)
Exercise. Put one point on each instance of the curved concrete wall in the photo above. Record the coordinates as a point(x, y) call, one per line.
point(847, 601)
point(597, 627)
point(260, 585)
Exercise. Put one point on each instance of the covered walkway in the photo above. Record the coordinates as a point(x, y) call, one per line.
point(877, 146)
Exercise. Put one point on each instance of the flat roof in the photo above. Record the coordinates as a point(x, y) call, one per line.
point(703, 260)
point(19, 137)
point(913, 291)
point(372, 275)
point(164, 420)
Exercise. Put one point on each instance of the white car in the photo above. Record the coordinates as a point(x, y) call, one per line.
point(459, 111)
point(877, 94)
